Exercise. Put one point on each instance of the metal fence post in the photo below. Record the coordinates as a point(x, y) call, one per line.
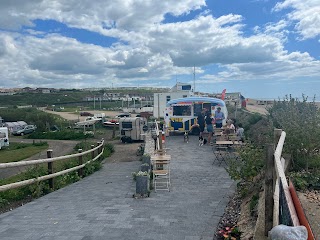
point(80, 171)
point(50, 169)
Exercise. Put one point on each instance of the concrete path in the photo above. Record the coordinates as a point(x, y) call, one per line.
point(101, 206)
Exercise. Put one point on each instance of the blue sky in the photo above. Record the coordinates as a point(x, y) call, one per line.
point(262, 48)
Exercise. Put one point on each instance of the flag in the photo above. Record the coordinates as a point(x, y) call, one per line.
point(223, 95)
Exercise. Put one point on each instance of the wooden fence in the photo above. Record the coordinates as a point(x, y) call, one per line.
point(279, 194)
point(277, 191)
point(95, 151)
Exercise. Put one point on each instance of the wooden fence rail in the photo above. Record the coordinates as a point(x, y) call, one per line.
point(50, 160)
point(278, 195)
point(281, 178)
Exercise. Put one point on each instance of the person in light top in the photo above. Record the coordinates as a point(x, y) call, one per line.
point(218, 117)
point(230, 125)
point(240, 132)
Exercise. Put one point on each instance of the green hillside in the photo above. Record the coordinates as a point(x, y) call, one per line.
point(76, 97)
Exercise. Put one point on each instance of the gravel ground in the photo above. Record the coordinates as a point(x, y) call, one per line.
point(310, 201)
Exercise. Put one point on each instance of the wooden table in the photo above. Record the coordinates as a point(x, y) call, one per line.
point(228, 142)
point(158, 157)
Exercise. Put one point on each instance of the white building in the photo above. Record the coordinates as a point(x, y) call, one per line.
point(180, 90)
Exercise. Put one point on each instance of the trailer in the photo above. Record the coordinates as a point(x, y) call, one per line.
point(4, 137)
point(131, 129)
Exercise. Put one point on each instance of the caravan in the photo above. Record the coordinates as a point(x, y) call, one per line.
point(183, 112)
point(4, 137)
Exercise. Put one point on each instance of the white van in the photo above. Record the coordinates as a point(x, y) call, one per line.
point(4, 137)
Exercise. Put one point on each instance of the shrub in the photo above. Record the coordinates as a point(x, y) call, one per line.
point(306, 179)
point(250, 164)
point(108, 150)
point(61, 135)
point(300, 120)
point(91, 168)
point(39, 188)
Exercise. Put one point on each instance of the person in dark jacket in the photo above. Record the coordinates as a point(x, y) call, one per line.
point(200, 121)
point(209, 124)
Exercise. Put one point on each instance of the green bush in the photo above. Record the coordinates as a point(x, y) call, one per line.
point(66, 179)
point(254, 118)
point(108, 150)
point(253, 203)
point(41, 119)
point(250, 165)
point(300, 120)
point(306, 179)
point(61, 135)
point(91, 168)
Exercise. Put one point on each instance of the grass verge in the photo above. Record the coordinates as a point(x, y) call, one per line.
point(14, 152)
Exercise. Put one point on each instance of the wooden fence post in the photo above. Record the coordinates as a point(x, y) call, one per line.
point(269, 186)
point(114, 131)
point(80, 171)
point(99, 149)
point(160, 140)
point(92, 153)
point(50, 169)
point(277, 135)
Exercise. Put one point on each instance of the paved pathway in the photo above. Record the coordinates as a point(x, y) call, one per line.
point(101, 206)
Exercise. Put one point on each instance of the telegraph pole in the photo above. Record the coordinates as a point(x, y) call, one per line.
point(194, 78)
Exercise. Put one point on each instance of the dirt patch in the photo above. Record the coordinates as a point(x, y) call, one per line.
point(310, 201)
point(72, 116)
point(257, 109)
point(124, 152)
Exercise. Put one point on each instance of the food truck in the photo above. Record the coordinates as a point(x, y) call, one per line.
point(183, 112)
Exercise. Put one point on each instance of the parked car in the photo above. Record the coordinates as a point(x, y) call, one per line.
point(86, 114)
point(24, 130)
point(121, 115)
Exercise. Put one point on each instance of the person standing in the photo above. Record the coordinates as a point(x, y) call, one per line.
point(218, 117)
point(240, 133)
point(200, 121)
point(208, 121)
point(166, 124)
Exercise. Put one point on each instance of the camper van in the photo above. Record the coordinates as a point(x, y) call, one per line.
point(183, 112)
point(4, 137)
point(131, 129)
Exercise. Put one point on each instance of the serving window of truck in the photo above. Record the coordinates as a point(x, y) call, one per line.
point(182, 110)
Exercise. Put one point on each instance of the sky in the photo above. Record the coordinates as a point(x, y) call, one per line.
point(262, 48)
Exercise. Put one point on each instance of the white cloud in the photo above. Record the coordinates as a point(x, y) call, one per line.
point(305, 15)
point(207, 40)
point(148, 48)
point(123, 14)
